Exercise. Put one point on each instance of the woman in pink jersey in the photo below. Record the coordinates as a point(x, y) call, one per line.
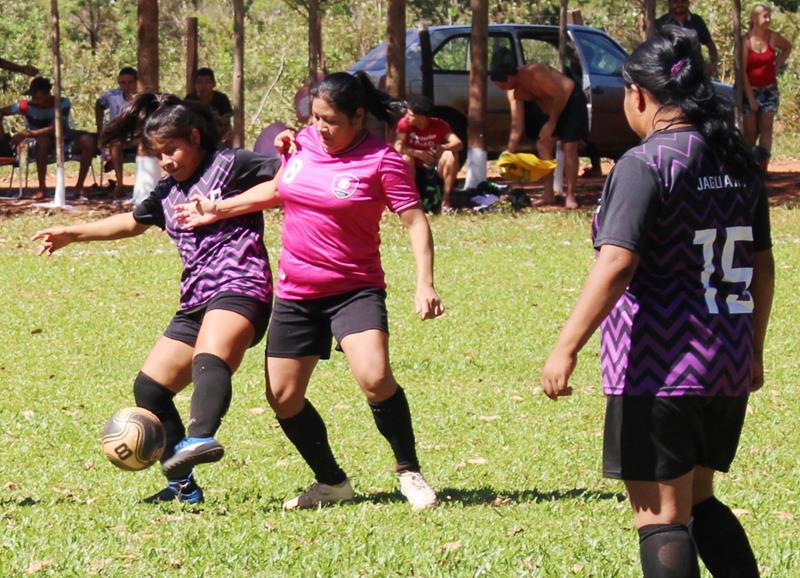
point(765, 53)
point(333, 189)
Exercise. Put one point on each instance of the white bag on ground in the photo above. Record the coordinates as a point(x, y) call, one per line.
point(148, 173)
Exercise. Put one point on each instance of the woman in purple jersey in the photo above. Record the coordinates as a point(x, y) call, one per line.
point(226, 285)
point(681, 289)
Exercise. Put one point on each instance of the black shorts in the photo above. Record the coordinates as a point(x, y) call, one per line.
point(185, 326)
point(572, 125)
point(650, 438)
point(301, 328)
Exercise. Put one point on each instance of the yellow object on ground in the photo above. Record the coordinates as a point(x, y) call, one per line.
point(524, 167)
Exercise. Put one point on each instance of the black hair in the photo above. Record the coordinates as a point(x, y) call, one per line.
point(504, 64)
point(162, 116)
point(670, 66)
point(205, 71)
point(348, 92)
point(38, 84)
point(128, 71)
point(420, 105)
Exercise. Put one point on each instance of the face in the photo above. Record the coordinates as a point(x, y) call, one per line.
point(762, 18)
point(178, 157)
point(416, 120)
point(204, 86)
point(510, 83)
point(334, 127)
point(42, 99)
point(127, 84)
point(679, 7)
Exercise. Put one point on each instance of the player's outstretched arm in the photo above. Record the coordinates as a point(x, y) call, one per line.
point(114, 227)
point(610, 275)
point(426, 300)
point(204, 211)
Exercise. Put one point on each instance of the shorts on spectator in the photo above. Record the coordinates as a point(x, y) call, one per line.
point(767, 97)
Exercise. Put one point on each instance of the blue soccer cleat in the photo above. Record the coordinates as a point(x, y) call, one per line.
point(188, 453)
point(185, 490)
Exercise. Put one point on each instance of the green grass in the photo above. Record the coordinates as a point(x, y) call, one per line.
point(519, 475)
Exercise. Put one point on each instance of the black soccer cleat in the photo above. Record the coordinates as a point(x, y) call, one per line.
point(185, 490)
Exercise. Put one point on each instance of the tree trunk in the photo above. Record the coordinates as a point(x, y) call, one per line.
point(148, 45)
point(59, 199)
point(191, 52)
point(238, 74)
point(476, 124)
point(562, 36)
point(314, 40)
point(738, 62)
point(649, 28)
point(396, 48)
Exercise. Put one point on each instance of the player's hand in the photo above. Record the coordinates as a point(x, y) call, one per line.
point(757, 371)
point(52, 239)
point(285, 142)
point(427, 303)
point(198, 212)
point(555, 375)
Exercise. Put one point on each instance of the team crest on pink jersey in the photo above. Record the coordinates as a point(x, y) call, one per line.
point(344, 185)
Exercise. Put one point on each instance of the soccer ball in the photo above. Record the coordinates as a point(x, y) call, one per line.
point(133, 439)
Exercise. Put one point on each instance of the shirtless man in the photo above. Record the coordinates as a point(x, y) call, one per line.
point(538, 90)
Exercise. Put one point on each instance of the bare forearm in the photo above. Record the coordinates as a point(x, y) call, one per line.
point(763, 289)
point(262, 196)
point(118, 226)
point(421, 244)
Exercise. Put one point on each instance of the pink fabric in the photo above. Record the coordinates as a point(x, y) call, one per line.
point(332, 211)
point(424, 139)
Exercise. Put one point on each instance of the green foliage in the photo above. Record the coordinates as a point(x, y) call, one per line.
point(519, 476)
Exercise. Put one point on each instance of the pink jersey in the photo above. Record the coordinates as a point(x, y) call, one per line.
point(332, 211)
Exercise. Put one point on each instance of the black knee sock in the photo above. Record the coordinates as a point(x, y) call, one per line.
point(212, 394)
point(156, 398)
point(307, 432)
point(721, 541)
point(667, 551)
point(393, 418)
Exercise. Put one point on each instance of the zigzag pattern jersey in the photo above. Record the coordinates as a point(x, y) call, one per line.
point(227, 256)
point(684, 326)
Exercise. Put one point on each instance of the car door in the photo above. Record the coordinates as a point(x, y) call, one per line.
point(602, 61)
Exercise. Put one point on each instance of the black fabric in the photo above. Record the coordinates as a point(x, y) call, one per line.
point(150, 211)
point(572, 124)
point(307, 432)
point(430, 187)
point(185, 325)
point(650, 438)
point(693, 22)
point(393, 418)
point(667, 551)
point(154, 397)
point(762, 233)
point(212, 394)
point(250, 169)
point(721, 541)
point(220, 103)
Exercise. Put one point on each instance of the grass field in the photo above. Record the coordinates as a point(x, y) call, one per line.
point(518, 475)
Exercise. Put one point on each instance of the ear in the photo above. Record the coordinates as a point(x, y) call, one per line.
point(361, 113)
point(640, 98)
point(195, 138)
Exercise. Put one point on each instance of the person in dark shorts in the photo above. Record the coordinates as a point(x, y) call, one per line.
point(334, 187)
point(548, 107)
point(204, 91)
point(226, 285)
point(681, 290)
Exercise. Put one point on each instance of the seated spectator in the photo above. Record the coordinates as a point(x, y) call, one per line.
point(39, 113)
point(115, 101)
point(204, 84)
point(426, 141)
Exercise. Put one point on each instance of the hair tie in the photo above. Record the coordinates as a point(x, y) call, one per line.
point(677, 67)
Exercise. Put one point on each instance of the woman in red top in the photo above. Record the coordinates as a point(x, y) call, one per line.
point(766, 52)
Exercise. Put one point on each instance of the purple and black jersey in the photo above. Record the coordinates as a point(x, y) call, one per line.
point(684, 326)
point(227, 256)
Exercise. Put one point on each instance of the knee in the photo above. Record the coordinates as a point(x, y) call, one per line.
point(284, 398)
point(376, 382)
point(150, 394)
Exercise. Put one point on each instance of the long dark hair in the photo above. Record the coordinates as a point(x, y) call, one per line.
point(670, 66)
point(348, 92)
point(162, 116)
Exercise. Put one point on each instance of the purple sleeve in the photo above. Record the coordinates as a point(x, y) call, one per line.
point(398, 186)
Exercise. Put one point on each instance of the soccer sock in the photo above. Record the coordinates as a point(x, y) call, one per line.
point(307, 432)
point(212, 394)
point(667, 551)
point(721, 541)
point(393, 418)
point(156, 398)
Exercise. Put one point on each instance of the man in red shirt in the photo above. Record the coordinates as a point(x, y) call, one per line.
point(426, 141)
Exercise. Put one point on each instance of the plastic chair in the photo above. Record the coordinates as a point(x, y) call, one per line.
point(265, 142)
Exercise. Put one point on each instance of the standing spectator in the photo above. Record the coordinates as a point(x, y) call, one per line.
point(204, 85)
point(679, 15)
point(426, 142)
point(333, 190)
point(115, 101)
point(681, 290)
point(766, 52)
point(547, 106)
point(39, 114)
point(21, 68)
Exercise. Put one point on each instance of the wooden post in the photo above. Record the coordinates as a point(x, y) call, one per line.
point(191, 52)
point(148, 45)
point(396, 49)
point(238, 74)
point(649, 28)
point(738, 62)
point(60, 197)
point(476, 124)
point(562, 36)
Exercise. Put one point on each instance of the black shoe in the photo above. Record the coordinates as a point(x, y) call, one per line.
point(185, 490)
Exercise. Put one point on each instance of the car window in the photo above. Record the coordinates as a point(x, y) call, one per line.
point(536, 51)
point(453, 54)
point(601, 55)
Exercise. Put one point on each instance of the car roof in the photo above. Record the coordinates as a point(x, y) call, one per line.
point(511, 27)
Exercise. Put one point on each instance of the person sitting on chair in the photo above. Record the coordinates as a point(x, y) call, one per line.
point(39, 113)
point(427, 141)
point(204, 84)
point(115, 101)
